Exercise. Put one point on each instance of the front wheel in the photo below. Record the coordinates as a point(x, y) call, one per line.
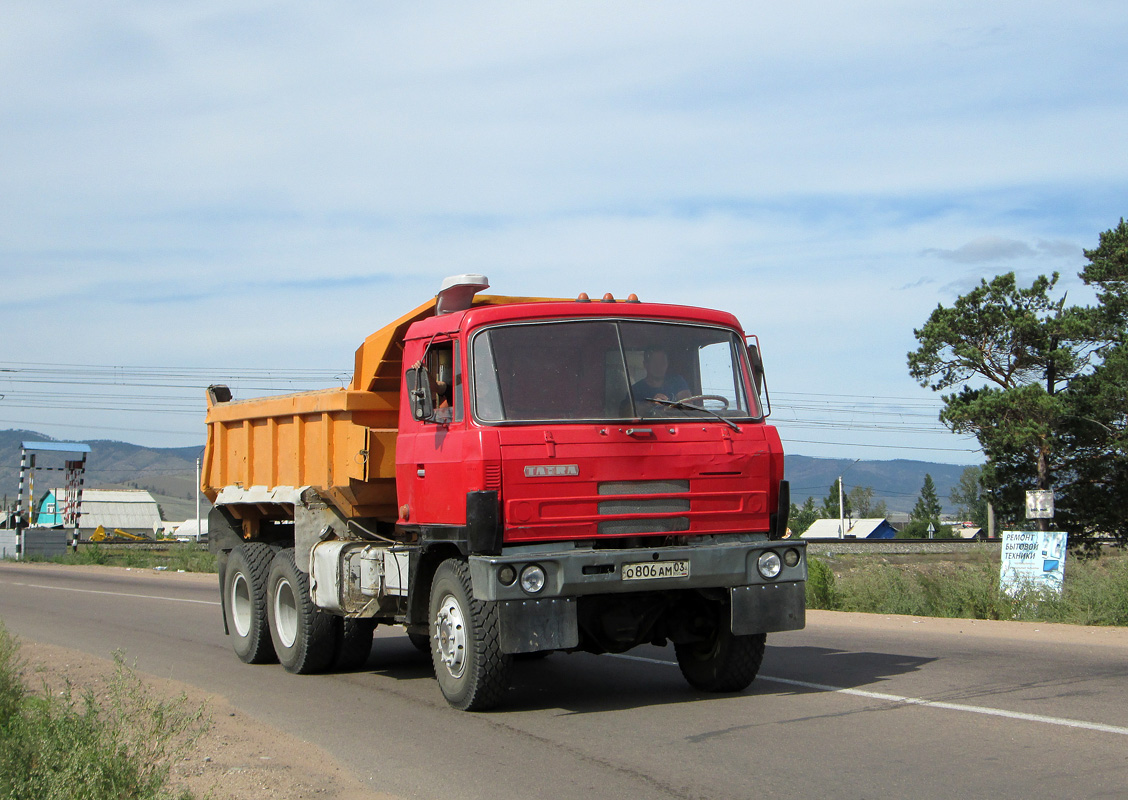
point(723, 663)
point(305, 638)
point(472, 672)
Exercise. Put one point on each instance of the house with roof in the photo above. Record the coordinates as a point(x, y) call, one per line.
point(191, 530)
point(130, 510)
point(855, 529)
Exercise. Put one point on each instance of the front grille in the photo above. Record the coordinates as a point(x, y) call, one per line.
point(622, 527)
point(662, 505)
point(644, 505)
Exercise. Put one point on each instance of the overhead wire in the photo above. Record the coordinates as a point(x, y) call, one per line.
point(105, 388)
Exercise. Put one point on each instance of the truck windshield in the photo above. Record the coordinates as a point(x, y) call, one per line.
point(608, 370)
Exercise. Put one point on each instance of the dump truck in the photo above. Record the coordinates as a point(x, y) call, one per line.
point(506, 476)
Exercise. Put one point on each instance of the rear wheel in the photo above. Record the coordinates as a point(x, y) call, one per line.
point(723, 663)
point(305, 638)
point(472, 672)
point(244, 602)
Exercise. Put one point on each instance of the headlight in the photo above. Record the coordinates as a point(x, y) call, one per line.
point(791, 558)
point(532, 578)
point(769, 564)
point(506, 575)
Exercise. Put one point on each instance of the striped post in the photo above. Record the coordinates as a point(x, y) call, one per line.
point(73, 508)
point(19, 505)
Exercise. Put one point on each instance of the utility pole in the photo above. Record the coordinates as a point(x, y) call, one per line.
point(842, 504)
point(198, 523)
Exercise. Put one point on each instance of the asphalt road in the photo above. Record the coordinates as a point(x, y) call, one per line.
point(855, 706)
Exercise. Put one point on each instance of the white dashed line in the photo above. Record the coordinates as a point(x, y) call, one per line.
point(115, 594)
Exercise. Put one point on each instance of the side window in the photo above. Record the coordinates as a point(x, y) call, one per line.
point(445, 374)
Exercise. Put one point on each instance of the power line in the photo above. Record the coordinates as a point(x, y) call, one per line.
point(178, 391)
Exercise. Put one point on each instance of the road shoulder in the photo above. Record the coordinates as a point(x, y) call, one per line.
point(239, 758)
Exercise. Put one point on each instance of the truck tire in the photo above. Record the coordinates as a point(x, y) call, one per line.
point(354, 644)
point(422, 643)
point(727, 663)
point(304, 637)
point(244, 602)
point(472, 672)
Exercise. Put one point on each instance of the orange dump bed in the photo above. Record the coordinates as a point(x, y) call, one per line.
point(339, 441)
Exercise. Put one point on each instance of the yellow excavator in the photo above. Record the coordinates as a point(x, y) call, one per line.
point(118, 535)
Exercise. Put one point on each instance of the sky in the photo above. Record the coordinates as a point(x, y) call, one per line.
point(240, 192)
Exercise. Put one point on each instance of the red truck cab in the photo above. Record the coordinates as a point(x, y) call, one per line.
point(607, 471)
point(548, 405)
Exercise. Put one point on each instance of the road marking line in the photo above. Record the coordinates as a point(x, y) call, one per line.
point(114, 594)
point(919, 701)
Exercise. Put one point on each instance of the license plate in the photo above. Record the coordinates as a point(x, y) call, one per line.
point(653, 570)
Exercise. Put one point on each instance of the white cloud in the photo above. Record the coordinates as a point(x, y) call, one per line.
point(985, 249)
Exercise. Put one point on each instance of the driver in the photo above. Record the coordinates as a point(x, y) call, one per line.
point(658, 383)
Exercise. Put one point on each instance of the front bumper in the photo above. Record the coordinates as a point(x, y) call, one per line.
point(548, 620)
point(714, 562)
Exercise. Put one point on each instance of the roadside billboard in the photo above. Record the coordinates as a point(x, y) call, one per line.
point(1033, 560)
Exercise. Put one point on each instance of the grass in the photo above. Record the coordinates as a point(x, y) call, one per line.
point(174, 556)
point(1096, 590)
point(56, 745)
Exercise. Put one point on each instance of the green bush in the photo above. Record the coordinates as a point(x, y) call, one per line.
point(1095, 593)
point(173, 556)
point(820, 585)
point(56, 746)
point(11, 687)
point(882, 589)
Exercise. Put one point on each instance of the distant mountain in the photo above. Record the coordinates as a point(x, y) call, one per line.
point(170, 474)
point(896, 482)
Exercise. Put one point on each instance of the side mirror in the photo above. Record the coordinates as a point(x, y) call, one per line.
point(757, 365)
point(419, 395)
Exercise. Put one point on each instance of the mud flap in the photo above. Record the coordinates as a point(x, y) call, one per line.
point(769, 607)
point(531, 625)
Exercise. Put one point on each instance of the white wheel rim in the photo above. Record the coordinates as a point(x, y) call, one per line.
point(286, 613)
point(241, 606)
point(450, 636)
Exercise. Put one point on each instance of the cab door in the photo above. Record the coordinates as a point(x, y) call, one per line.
point(433, 466)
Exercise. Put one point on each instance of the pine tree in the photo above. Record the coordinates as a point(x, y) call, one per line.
point(927, 508)
point(803, 516)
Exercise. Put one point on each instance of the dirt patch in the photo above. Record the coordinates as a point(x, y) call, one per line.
point(239, 758)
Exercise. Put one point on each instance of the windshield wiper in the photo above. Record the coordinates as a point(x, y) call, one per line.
point(690, 407)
